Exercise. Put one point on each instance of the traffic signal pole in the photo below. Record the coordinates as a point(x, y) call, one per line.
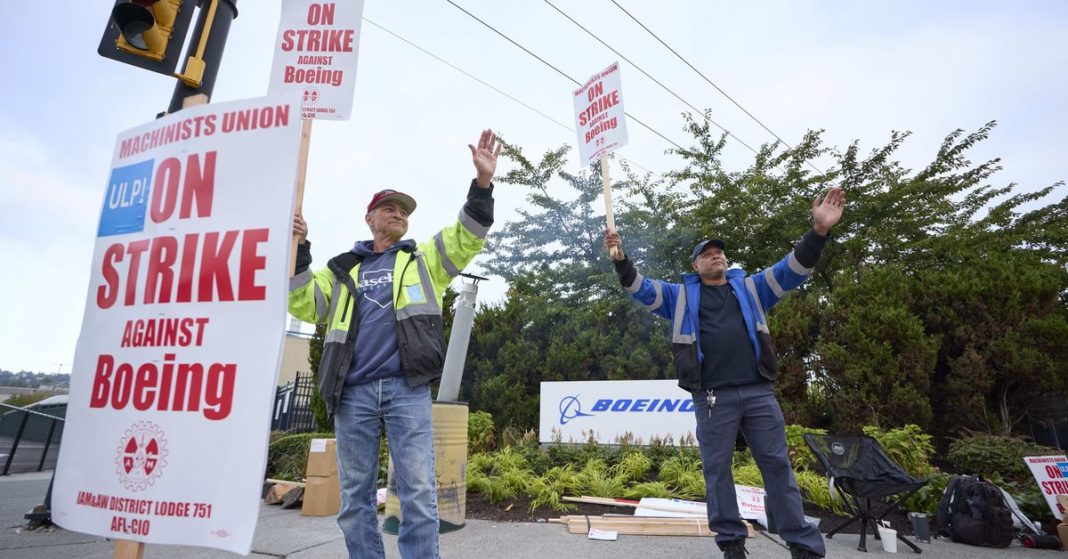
point(205, 51)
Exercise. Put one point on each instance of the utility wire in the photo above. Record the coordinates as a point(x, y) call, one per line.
point(699, 73)
point(464, 72)
point(559, 71)
point(656, 81)
point(490, 86)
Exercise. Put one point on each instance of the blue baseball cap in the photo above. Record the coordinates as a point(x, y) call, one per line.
point(701, 246)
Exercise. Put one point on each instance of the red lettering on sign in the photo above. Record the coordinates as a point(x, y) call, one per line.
point(164, 332)
point(598, 106)
point(172, 387)
point(318, 40)
point(214, 282)
point(321, 14)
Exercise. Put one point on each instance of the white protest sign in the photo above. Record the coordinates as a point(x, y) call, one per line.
point(599, 118)
point(751, 503)
point(174, 372)
point(1051, 473)
point(750, 506)
point(670, 508)
point(315, 56)
point(609, 409)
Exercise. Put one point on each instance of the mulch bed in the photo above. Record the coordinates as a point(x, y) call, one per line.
point(518, 510)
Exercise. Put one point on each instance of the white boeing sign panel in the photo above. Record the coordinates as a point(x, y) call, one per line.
point(644, 409)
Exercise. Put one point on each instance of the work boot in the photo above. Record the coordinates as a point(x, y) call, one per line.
point(734, 549)
point(802, 553)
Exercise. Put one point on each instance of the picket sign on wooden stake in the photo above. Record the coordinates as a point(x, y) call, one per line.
point(326, 99)
point(129, 549)
point(601, 126)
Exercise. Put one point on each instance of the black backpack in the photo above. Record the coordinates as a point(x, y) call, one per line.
point(973, 511)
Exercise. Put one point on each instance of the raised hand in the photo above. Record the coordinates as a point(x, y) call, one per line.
point(300, 228)
point(613, 240)
point(826, 213)
point(485, 157)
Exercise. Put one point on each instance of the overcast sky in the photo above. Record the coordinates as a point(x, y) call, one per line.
point(858, 69)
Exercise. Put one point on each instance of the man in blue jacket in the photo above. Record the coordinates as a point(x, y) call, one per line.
point(724, 357)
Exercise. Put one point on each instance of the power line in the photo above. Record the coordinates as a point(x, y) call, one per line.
point(559, 71)
point(490, 86)
point(464, 72)
point(656, 81)
point(699, 73)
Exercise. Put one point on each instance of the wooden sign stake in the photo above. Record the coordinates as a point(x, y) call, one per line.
point(302, 173)
point(609, 215)
point(129, 549)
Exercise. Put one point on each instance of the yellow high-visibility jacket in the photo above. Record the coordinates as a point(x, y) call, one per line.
point(420, 277)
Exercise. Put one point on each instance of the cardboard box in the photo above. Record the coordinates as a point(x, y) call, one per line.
point(322, 496)
point(1062, 533)
point(322, 458)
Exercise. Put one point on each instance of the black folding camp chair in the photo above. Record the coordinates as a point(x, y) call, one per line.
point(861, 471)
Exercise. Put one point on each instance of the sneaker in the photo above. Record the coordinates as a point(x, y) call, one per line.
point(734, 549)
point(802, 553)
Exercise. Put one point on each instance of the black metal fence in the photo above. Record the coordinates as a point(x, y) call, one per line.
point(1050, 434)
point(292, 406)
point(29, 440)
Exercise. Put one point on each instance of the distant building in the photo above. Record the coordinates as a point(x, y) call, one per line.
point(295, 352)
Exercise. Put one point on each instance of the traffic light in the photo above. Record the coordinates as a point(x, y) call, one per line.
point(147, 33)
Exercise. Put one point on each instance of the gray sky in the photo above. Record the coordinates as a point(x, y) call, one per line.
point(857, 69)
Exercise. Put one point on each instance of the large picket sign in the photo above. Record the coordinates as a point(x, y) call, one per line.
point(599, 117)
point(174, 372)
point(315, 56)
point(1051, 474)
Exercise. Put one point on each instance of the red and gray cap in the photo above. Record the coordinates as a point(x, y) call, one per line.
point(389, 195)
point(701, 246)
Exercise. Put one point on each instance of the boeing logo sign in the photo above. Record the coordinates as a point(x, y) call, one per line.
point(571, 407)
point(607, 410)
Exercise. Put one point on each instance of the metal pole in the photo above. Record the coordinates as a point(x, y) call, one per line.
point(220, 28)
point(15, 445)
point(453, 371)
point(48, 444)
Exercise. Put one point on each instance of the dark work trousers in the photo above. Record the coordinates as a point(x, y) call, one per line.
point(752, 408)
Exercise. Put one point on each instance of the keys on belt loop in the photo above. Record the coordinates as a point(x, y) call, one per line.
point(711, 399)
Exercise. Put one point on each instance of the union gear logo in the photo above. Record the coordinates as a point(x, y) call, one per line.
point(838, 449)
point(141, 456)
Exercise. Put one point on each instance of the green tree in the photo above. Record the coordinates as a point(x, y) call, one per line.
point(875, 360)
point(1002, 327)
point(566, 316)
point(941, 230)
point(535, 337)
point(938, 292)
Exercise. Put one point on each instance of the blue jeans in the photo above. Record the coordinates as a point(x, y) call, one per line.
point(405, 411)
point(752, 409)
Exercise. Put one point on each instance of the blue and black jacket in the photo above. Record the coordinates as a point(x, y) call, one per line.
point(756, 293)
